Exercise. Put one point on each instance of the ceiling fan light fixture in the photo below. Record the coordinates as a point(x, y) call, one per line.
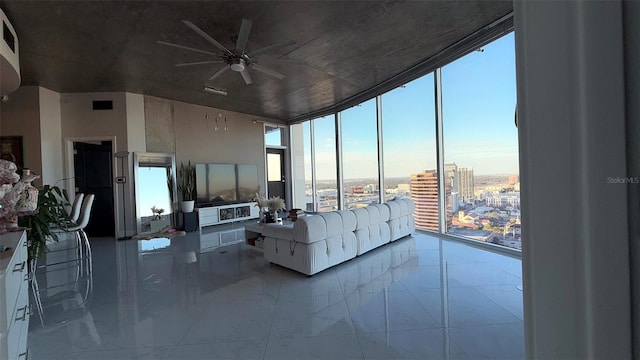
point(238, 65)
point(215, 91)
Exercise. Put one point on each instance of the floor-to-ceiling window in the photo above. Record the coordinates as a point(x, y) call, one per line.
point(481, 145)
point(309, 204)
point(478, 177)
point(409, 148)
point(360, 155)
point(324, 131)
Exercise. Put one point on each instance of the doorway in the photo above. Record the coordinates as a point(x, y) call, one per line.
point(276, 180)
point(93, 168)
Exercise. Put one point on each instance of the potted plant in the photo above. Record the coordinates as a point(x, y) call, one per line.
point(51, 214)
point(186, 186)
point(261, 202)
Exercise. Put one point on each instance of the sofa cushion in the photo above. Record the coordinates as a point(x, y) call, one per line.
point(349, 220)
point(310, 229)
point(310, 258)
point(374, 215)
point(362, 218)
point(404, 224)
point(404, 207)
point(384, 211)
point(333, 223)
point(340, 248)
point(411, 205)
point(394, 209)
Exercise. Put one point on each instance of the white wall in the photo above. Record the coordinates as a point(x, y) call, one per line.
point(197, 140)
point(81, 123)
point(21, 117)
point(570, 77)
point(51, 137)
point(80, 120)
point(136, 139)
point(136, 142)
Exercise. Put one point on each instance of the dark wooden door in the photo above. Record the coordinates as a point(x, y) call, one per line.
point(276, 182)
point(94, 175)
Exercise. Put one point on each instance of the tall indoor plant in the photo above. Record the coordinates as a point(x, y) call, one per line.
point(51, 214)
point(187, 186)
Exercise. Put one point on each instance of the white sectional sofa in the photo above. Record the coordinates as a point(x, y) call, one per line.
point(317, 242)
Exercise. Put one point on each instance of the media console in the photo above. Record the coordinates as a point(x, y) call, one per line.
point(222, 214)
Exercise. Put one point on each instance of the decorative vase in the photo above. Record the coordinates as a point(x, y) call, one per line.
point(187, 206)
point(269, 219)
point(28, 200)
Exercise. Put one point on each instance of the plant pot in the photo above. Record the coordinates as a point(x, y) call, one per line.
point(187, 206)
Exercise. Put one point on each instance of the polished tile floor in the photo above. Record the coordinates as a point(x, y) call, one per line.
point(418, 298)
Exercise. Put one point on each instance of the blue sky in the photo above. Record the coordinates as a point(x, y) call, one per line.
point(479, 97)
point(153, 190)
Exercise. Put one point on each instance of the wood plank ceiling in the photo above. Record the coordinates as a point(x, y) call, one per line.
point(345, 47)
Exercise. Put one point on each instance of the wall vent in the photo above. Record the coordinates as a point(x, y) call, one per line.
point(102, 104)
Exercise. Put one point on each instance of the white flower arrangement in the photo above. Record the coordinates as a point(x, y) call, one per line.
point(260, 200)
point(157, 212)
point(275, 203)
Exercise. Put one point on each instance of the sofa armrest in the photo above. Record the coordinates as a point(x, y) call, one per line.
point(310, 229)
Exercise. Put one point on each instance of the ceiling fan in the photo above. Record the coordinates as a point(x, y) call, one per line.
point(237, 60)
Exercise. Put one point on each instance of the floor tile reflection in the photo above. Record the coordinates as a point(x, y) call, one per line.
point(415, 344)
point(419, 297)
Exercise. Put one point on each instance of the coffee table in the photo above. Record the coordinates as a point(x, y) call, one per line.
point(253, 235)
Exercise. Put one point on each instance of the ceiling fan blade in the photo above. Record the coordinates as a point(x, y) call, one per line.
point(220, 72)
point(188, 48)
point(268, 71)
point(243, 35)
point(206, 36)
point(246, 76)
point(271, 48)
point(199, 63)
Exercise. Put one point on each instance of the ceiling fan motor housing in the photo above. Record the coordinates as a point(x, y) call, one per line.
point(238, 65)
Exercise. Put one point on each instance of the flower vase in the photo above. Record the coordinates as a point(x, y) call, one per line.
point(269, 219)
point(28, 200)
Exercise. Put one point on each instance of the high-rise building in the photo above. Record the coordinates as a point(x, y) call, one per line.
point(451, 176)
point(455, 202)
point(424, 193)
point(465, 185)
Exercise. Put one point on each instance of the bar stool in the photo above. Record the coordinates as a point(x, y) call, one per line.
point(82, 247)
point(83, 221)
point(74, 214)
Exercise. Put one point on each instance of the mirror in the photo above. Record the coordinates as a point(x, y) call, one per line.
point(155, 190)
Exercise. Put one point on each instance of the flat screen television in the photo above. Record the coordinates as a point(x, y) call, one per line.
point(247, 182)
point(218, 184)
